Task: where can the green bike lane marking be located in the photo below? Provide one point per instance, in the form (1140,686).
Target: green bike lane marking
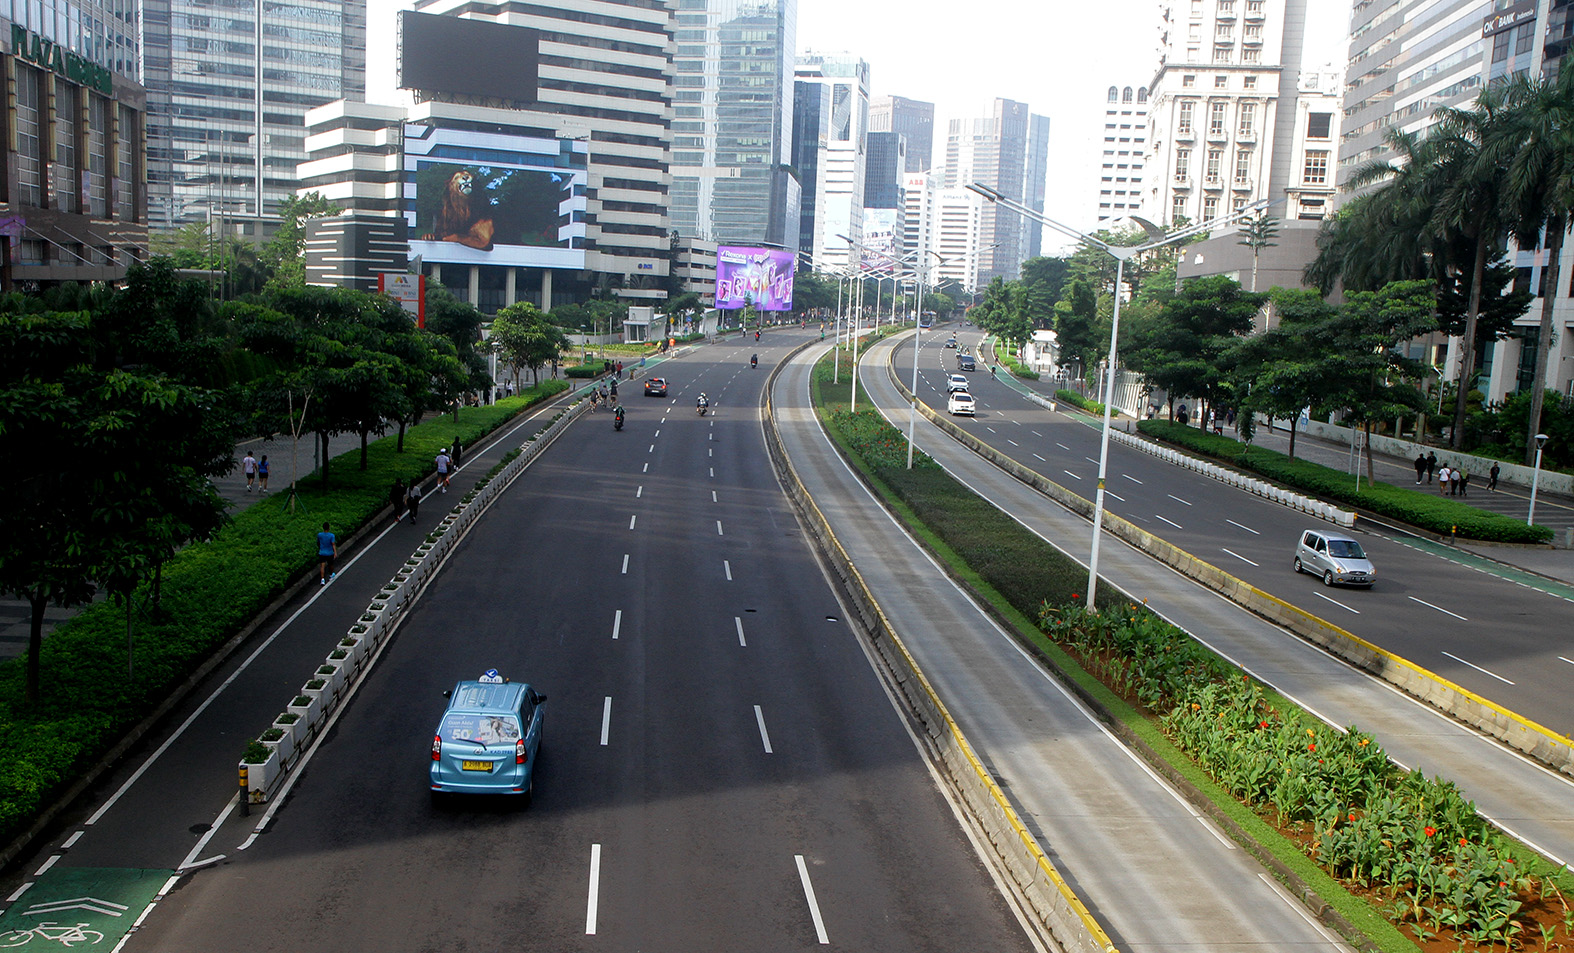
(80,906)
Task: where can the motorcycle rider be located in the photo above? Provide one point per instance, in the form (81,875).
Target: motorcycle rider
(702,403)
(754,360)
(617,419)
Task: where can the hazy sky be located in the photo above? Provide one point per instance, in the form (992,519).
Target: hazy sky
(1059,57)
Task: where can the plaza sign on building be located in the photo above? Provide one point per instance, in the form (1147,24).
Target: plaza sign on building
(51,56)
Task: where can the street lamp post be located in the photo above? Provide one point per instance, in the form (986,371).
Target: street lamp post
(1535,479)
(1121,254)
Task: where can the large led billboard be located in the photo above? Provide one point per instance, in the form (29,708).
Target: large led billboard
(469,57)
(758,276)
(879,241)
(492,198)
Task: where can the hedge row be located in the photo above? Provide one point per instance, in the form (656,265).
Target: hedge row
(1443,515)
(1016,367)
(1077,400)
(210,591)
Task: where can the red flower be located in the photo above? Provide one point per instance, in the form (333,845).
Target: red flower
(1463,842)
(1430,831)
(1262,724)
(1352,815)
(1075,596)
(1312,746)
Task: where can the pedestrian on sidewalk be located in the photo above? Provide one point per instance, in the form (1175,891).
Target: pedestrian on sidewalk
(248,466)
(396,497)
(327,551)
(1431,466)
(444,461)
(1492,477)
(457,451)
(614,390)
(1420,467)
(413,498)
(1462,482)
(1443,476)
(262,473)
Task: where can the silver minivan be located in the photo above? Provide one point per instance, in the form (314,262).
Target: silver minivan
(1335,557)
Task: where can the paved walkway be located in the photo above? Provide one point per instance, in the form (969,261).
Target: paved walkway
(1552,509)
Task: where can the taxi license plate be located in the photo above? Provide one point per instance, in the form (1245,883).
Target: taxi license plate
(477,765)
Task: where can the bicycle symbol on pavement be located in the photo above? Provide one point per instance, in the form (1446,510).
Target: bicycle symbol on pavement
(48,930)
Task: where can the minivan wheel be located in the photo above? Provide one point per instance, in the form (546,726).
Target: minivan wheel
(1328,577)
(1298,564)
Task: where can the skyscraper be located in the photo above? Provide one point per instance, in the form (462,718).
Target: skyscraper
(1035,188)
(913,119)
(732,119)
(994,151)
(229,84)
(1124,152)
(1222,119)
(840,161)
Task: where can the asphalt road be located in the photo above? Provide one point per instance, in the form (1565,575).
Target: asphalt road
(1498,632)
(716,745)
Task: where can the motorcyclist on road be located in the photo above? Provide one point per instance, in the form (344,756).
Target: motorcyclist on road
(617,418)
(754,360)
(702,403)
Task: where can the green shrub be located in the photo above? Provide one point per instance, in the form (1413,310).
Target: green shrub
(256,752)
(272,734)
(1077,400)
(582,371)
(1439,514)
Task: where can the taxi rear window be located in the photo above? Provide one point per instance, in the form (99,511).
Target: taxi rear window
(482,729)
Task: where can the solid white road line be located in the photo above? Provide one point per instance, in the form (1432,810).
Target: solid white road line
(1337,603)
(617,622)
(191,858)
(1171,522)
(1438,608)
(737,621)
(632,519)
(1242,526)
(808,893)
(1449,654)
(606,719)
(765,736)
(595,889)
(726,567)
(625,564)
(1239,556)
(1568,660)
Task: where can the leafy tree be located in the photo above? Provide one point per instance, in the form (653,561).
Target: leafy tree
(1076,325)
(460,322)
(1047,275)
(1276,373)
(1182,348)
(285,255)
(525,338)
(812,291)
(1258,233)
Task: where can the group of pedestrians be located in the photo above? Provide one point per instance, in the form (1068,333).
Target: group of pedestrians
(1451,480)
(256,471)
(605,394)
(406,500)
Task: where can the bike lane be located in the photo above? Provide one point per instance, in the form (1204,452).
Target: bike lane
(76,907)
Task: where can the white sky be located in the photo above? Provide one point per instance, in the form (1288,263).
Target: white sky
(1058,57)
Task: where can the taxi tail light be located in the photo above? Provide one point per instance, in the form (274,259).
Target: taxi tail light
(437,747)
(519,751)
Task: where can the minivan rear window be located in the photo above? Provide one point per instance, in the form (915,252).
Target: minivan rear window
(482,729)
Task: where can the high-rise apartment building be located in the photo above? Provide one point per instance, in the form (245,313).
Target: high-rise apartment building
(914,119)
(229,85)
(959,232)
(1124,150)
(1221,120)
(885,156)
(994,151)
(73,194)
(839,161)
(918,221)
(1035,187)
(732,116)
(1407,59)
(811,137)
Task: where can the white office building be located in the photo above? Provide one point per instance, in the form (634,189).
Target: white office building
(838,157)
(1124,152)
(958,236)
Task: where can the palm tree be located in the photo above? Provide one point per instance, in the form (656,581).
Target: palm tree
(1258,233)
(1471,166)
(1537,146)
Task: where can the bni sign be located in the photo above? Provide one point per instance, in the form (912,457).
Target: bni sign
(408,290)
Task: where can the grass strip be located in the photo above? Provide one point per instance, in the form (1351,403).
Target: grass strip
(210,591)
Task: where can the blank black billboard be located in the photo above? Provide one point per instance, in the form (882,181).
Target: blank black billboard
(468,57)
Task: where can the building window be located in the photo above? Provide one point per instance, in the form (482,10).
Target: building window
(1223,54)
(1177,209)
(1216,119)
(1114,94)
(1193,55)
(1183,125)
(1243,166)
(1196,8)
(1311,209)
(1224,33)
(1248,124)
(1182,164)
(1221,82)
(1253,31)
(1316,170)
(1319,125)
(1248,82)
(1237,203)
(1254,6)
(29,149)
(1226,8)
(1215,158)
(1500,44)
(1210,207)
(1187,82)
(1251,55)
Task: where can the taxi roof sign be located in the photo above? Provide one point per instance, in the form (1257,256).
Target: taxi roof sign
(490,677)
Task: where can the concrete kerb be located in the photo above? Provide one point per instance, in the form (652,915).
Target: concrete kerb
(388,607)
(1057,911)
(1457,702)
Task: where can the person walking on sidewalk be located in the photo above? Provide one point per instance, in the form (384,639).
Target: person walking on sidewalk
(1443,476)
(396,498)
(262,473)
(1492,476)
(327,552)
(248,466)
(413,498)
(1462,482)
(444,464)
(1431,466)
(1420,467)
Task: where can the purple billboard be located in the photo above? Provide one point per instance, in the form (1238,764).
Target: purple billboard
(758,276)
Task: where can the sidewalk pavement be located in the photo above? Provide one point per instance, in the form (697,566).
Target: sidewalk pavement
(1553,510)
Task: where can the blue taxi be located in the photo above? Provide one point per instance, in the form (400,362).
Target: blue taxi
(488,739)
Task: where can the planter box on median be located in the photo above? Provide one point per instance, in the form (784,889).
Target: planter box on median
(260,777)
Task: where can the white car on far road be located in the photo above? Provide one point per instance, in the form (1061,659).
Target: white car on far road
(954,383)
(960,403)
